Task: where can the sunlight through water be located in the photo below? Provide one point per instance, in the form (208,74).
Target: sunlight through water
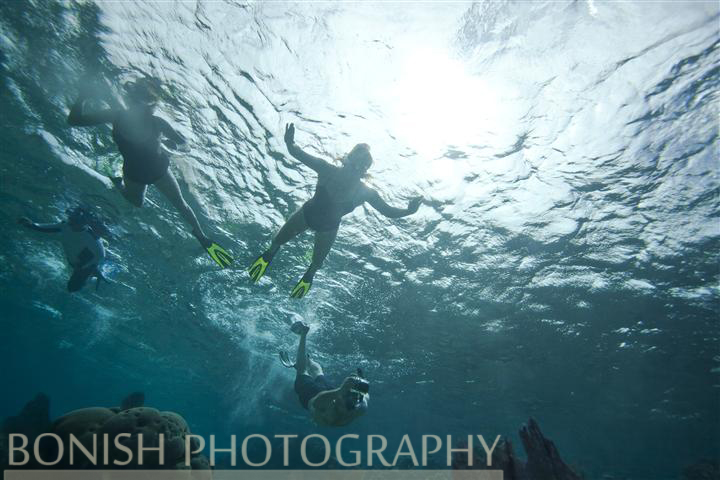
(563,264)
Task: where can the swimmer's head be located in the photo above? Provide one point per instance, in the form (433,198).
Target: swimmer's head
(144,92)
(356,395)
(78,217)
(359,159)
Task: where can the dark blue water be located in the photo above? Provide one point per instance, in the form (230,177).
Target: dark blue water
(564,266)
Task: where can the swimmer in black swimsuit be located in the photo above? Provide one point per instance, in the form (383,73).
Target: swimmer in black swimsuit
(138,133)
(338,192)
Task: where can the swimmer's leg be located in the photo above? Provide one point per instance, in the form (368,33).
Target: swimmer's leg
(80,277)
(303,364)
(132,191)
(323,243)
(313,368)
(301,357)
(169,187)
(294,226)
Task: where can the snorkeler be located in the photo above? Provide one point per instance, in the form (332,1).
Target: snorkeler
(329,406)
(80,236)
(339,191)
(137,134)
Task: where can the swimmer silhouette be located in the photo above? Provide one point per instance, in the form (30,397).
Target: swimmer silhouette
(138,134)
(339,191)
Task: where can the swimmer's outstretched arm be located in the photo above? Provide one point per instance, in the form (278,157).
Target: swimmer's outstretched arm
(40,227)
(173,137)
(392,212)
(79,118)
(317,164)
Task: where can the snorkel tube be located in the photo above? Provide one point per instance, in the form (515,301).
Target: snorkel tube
(356,397)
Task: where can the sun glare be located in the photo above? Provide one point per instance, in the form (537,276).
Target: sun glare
(436,103)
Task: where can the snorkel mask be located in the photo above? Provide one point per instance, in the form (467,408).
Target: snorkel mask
(143,91)
(359,160)
(355,398)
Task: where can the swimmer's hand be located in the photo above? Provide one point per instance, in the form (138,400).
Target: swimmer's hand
(24,221)
(97,92)
(413,205)
(172,139)
(290,134)
(178,146)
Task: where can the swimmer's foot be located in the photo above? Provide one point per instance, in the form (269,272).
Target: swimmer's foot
(257,269)
(216,252)
(285,359)
(302,287)
(299,328)
(118,182)
(220,255)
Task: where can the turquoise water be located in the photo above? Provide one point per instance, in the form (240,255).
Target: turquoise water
(564,266)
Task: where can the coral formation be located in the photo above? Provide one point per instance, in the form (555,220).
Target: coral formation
(702,470)
(543,458)
(89,425)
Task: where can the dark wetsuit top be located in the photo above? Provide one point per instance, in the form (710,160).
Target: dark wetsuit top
(144,162)
(323,214)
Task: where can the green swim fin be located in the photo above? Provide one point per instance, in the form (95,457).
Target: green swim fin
(257,269)
(302,287)
(220,255)
(285,360)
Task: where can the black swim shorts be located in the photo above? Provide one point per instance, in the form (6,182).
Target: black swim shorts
(307,387)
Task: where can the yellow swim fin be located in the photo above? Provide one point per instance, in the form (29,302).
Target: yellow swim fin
(301,288)
(220,255)
(257,269)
